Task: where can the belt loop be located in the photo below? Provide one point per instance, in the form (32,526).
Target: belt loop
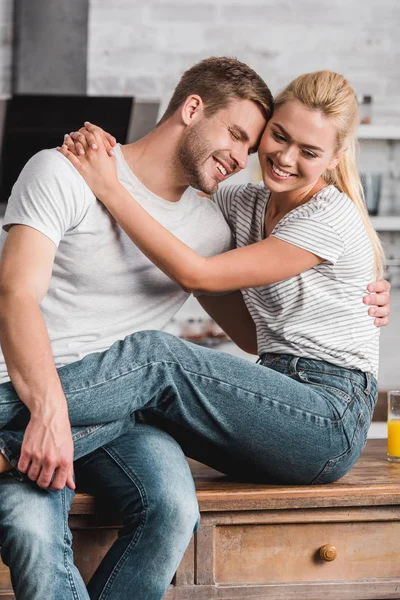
(368,383)
(293,365)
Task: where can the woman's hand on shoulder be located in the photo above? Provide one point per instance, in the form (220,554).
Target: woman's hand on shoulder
(77,142)
(90,152)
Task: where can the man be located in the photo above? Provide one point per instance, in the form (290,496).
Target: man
(72,284)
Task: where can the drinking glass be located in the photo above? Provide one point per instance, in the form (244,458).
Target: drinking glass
(394,426)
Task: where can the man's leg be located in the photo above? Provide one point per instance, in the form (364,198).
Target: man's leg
(36,542)
(144,477)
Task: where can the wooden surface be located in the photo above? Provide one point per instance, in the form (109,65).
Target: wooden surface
(260,541)
(372,481)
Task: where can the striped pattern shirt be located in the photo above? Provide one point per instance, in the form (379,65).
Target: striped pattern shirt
(318,314)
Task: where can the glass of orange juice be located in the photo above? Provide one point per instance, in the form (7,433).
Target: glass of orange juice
(394,426)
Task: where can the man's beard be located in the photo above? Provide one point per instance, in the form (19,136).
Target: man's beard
(192,154)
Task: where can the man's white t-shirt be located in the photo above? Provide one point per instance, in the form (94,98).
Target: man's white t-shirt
(102,287)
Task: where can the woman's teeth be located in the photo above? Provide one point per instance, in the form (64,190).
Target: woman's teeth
(279,172)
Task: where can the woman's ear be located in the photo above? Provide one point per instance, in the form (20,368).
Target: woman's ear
(335,160)
(192,109)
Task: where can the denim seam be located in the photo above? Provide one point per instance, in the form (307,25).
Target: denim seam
(161,362)
(124,557)
(332,461)
(364,399)
(350,377)
(67,568)
(88,431)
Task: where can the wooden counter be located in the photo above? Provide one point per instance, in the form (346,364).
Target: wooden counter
(339,541)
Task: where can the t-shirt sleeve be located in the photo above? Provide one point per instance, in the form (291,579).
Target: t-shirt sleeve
(49,195)
(314,235)
(226,200)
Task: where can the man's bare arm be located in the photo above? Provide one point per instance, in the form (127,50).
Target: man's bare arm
(25,272)
(230,312)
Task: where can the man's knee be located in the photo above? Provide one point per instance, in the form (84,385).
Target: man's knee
(176,509)
(160,475)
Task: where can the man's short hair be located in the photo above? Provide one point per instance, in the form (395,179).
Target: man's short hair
(218,81)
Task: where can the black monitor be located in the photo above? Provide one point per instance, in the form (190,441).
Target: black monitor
(34,122)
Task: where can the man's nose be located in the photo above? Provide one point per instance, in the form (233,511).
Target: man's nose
(240,156)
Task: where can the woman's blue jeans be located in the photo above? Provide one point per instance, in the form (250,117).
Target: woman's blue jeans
(290,420)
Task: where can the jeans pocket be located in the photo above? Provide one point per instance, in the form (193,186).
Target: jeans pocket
(336,383)
(337,467)
(335,390)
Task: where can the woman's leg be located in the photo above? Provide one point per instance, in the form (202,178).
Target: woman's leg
(277,425)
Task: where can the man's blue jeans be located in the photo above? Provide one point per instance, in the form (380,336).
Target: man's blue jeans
(143,477)
(291,419)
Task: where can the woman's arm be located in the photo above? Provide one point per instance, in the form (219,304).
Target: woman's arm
(265,262)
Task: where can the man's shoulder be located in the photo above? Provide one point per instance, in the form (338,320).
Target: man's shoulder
(49,195)
(47,166)
(206,209)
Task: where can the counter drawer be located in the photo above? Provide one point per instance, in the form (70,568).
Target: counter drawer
(291,552)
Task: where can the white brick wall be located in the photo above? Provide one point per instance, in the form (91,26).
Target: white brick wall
(142,48)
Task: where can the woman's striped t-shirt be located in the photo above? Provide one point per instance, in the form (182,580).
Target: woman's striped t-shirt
(318,314)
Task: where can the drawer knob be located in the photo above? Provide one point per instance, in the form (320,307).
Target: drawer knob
(328,552)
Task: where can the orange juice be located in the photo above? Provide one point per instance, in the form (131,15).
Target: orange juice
(394,438)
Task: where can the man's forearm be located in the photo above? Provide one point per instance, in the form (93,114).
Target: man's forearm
(28,356)
(47,449)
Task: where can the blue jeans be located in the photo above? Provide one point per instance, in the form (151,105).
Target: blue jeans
(290,420)
(143,476)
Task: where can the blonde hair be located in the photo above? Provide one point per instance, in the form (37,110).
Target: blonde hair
(331,94)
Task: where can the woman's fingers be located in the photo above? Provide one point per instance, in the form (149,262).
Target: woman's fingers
(99,134)
(95,129)
(71,157)
(82,145)
(89,137)
(69,142)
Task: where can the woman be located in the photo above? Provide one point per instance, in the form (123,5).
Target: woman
(304,245)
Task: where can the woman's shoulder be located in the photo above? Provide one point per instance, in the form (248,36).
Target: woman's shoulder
(332,196)
(329,204)
(247,194)
(250,192)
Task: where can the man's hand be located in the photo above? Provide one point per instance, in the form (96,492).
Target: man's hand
(379,301)
(47,451)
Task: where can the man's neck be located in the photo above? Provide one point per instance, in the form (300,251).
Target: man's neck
(153,160)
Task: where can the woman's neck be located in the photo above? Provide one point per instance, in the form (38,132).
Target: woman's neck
(280,204)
